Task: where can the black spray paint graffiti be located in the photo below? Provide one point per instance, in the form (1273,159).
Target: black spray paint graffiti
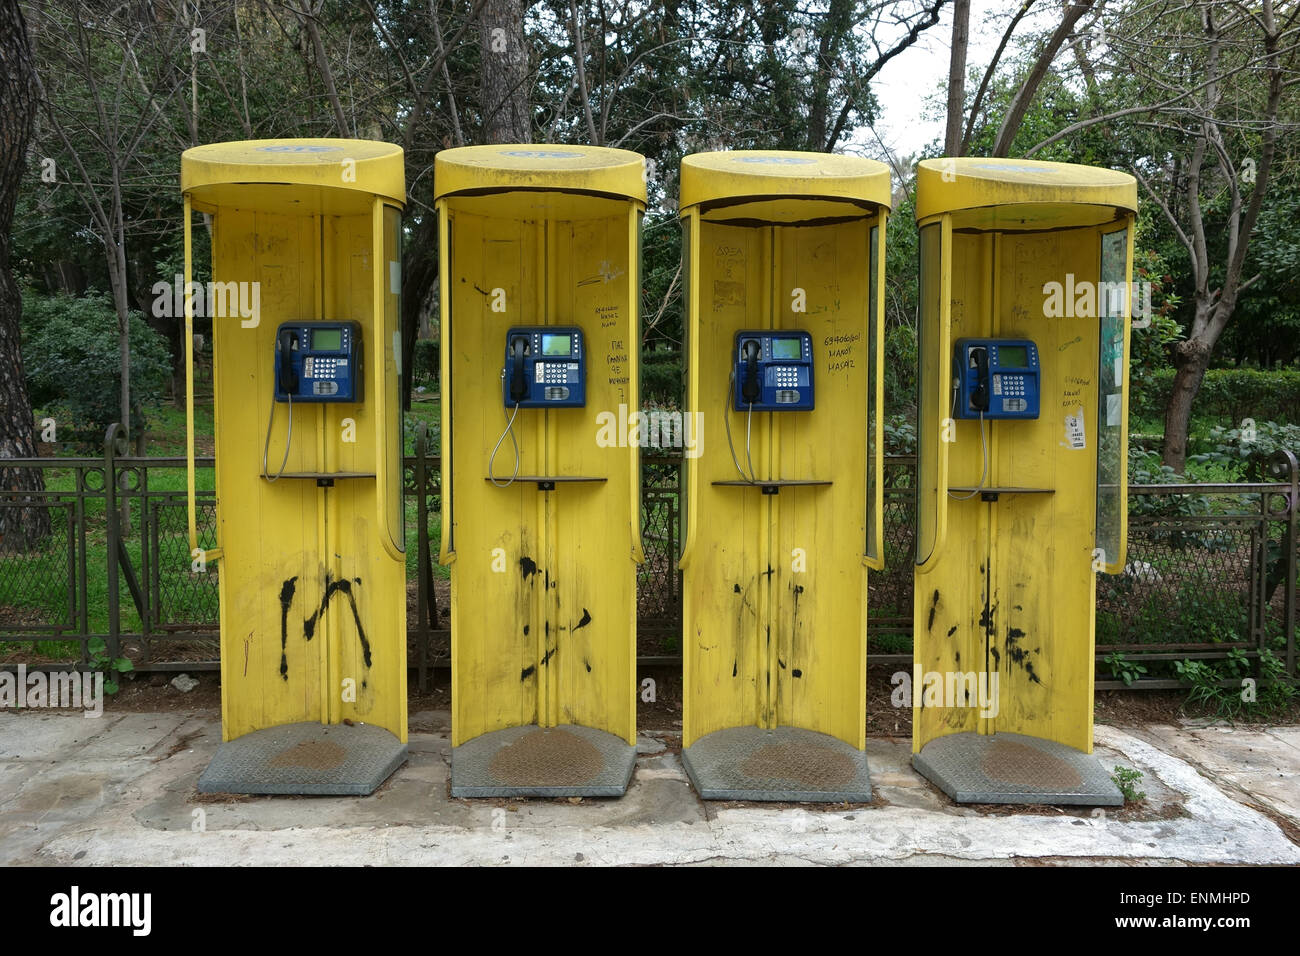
(332,587)
(286,598)
(528,569)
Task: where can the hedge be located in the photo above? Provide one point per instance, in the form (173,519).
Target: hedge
(1226,393)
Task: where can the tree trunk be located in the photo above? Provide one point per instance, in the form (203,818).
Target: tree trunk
(419,270)
(1015,114)
(1191,358)
(503,90)
(19,527)
(957,77)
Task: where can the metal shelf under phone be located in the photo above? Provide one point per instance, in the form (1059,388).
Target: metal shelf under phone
(992,494)
(774,486)
(323,479)
(546,482)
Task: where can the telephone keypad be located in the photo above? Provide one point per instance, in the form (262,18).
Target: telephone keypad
(556,373)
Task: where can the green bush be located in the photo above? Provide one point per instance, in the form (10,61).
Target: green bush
(1253,443)
(900,436)
(901,359)
(1230,394)
(425,365)
(72,362)
(661,378)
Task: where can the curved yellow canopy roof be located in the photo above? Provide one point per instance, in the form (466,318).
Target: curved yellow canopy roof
(334,176)
(1013,194)
(808,185)
(596,170)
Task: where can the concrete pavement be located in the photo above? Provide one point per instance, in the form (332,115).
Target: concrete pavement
(121,790)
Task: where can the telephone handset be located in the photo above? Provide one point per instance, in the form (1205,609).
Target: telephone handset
(318,362)
(518,384)
(979,360)
(773,371)
(545,367)
(750,390)
(287,378)
(995,379)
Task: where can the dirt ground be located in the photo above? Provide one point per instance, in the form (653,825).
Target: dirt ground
(153,692)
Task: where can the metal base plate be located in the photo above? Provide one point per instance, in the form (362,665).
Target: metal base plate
(305,758)
(1014,768)
(532,761)
(786,764)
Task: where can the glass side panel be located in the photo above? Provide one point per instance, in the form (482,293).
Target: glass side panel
(1113,304)
(873,288)
(390,342)
(930,369)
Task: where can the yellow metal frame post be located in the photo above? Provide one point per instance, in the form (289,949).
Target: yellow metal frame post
(783,509)
(543,583)
(310,557)
(1013,521)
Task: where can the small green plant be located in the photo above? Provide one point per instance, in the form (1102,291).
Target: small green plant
(1275,692)
(1126,778)
(900,436)
(1126,670)
(100,661)
(1205,691)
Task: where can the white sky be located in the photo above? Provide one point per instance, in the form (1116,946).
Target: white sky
(921,71)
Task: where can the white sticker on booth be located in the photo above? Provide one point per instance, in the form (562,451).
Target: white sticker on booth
(395,278)
(1114,409)
(1075,435)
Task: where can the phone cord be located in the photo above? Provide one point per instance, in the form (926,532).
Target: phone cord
(749,420)
(509,430)
(726,420)
(984,449)
(287,441)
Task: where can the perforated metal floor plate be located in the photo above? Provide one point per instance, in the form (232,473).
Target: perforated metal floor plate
(786,764)
(1014,768)
(532,761)
(305,758)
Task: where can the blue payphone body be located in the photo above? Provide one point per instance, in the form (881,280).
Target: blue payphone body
(995,379)
(318,362)
(773,371)
(545,367)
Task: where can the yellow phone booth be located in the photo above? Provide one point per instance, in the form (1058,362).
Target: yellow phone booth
(539,260)
(785,254)
(1022,417)
(304,302)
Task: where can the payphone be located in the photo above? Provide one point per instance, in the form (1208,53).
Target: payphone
(545,368)
(995,379)
(314,362)
(773,371)
(318,362)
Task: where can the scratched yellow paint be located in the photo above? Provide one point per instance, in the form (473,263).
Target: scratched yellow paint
(543,584)
(315,223)
(775,585)
(1007,588)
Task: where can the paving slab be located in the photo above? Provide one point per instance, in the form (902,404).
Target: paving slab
(37,735)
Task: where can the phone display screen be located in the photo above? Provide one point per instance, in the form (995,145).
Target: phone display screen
(1013,356)
(326,340)
(556,345)
(786,349)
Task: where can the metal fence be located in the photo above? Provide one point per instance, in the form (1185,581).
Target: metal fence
(1211,570)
